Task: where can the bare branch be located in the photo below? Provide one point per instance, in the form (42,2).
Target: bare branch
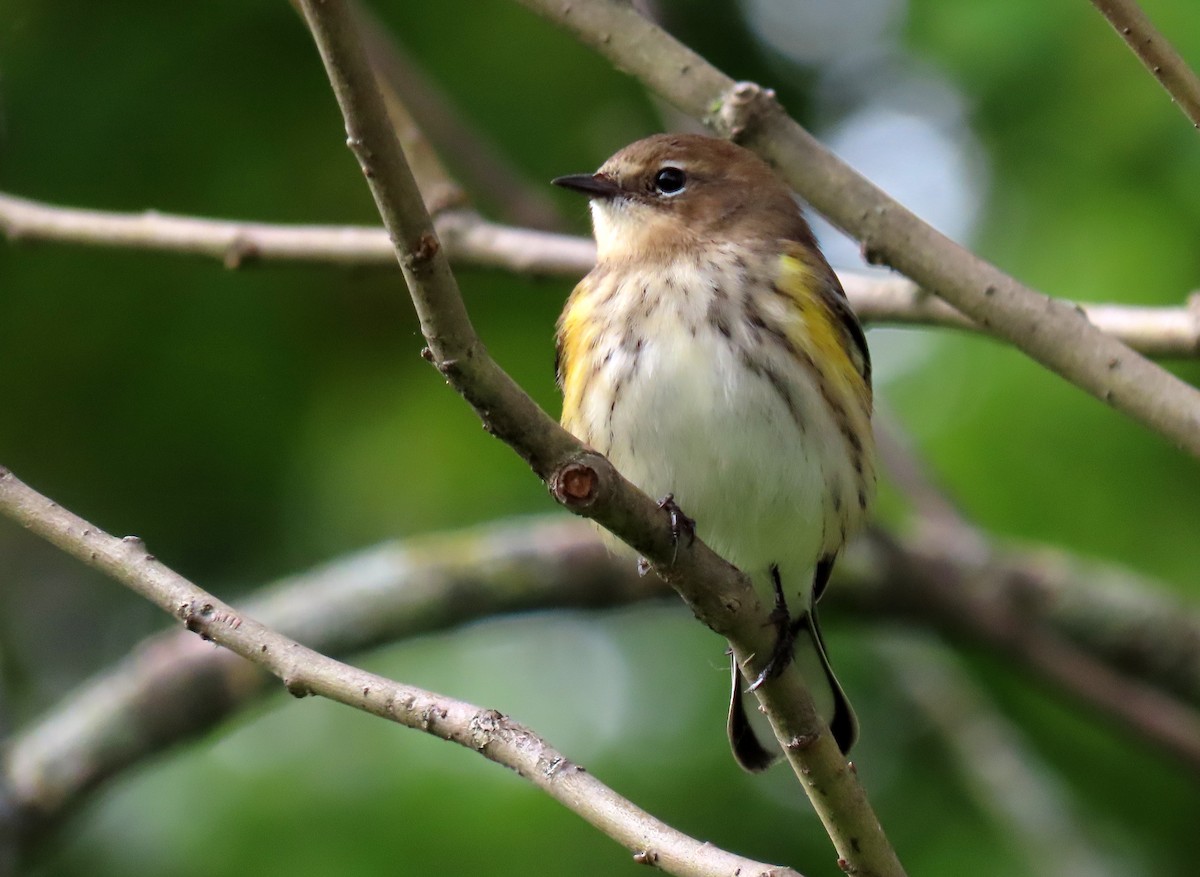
(438,189)
(147,702)
(473,241)
(1028,608)
(933,509)
(1005,775)
(1053,332)
(304,671)
(468,238)
(1160,332)
(581,480)
(482,163)
(1156,53)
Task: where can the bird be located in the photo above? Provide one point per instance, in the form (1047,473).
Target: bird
(712,355)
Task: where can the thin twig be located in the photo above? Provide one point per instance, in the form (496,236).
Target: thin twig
(304,671)
(439,189)
(471,240)
(468,238)
(1006,776)
(583,481)
(1054,333)
(484,167)
(416,104)
(1008,606)
(146,703)
(1156,53)
(1160,332)
(932,508)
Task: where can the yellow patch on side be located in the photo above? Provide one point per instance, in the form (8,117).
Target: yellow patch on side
(818,331)
(577,330)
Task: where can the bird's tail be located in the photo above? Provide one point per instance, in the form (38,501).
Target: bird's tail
(827,694)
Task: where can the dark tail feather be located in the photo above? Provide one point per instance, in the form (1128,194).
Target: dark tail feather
(843,724)
(748,751)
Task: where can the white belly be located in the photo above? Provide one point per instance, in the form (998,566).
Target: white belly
(695,422)
(728,420)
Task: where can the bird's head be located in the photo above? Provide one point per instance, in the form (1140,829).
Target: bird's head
(671,193)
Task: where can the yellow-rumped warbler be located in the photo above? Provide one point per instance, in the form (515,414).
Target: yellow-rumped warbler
(712,356)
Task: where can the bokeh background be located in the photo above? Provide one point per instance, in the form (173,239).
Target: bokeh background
(253,423)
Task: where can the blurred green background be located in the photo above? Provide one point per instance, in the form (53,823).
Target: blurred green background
(251,423)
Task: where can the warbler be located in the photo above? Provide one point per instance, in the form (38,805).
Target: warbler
(712,356)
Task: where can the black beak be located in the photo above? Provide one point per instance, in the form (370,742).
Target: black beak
(592,185)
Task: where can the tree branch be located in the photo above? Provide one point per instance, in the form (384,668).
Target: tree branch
(1053,332)
(468,238)
(1026,608)
(581,480)
(1156,53)
(148,701)
(484,165)
(473,241)
(304,672)
(1005,775)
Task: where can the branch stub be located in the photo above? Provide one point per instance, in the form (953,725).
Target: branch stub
(575,485)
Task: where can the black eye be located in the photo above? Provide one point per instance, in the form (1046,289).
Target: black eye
(670,180)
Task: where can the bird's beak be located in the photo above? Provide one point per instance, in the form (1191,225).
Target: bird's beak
(592,185)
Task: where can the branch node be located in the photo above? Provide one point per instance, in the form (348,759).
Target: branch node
(576,485)
(556,765)
(871,252)
(430,714)
(484,727)
(742,108)
(646,857)
(802,742)
(296,687)
(422,251)
(240,251)
(195,618)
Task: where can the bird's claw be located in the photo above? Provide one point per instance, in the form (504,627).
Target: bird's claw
(786,630)
(680,523)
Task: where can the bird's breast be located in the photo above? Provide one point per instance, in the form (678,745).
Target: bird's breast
(686,376)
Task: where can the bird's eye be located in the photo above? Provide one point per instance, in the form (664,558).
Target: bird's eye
(670,180)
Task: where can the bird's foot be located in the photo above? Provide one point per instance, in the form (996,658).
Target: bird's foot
(681,524)
(786,630)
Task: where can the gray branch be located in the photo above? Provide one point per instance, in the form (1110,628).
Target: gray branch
(472,241)
(578,478)
(1051,331)
(174,687)
(304,671)
(1156,53)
